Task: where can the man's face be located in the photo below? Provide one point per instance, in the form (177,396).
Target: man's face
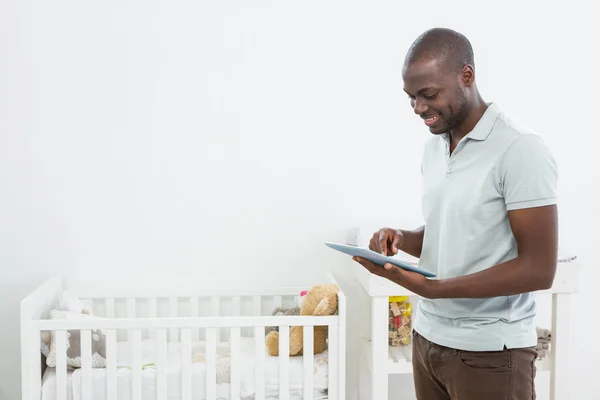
(436,95)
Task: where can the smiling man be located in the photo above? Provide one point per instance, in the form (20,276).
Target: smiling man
(490,233)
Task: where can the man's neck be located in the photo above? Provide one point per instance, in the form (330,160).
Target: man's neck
(467,126)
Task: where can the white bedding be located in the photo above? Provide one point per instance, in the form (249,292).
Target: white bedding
(320,374)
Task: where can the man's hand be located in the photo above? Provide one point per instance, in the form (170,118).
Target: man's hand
(387,241)
(416,283)
(536,235)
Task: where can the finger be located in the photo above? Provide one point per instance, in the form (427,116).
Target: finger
(367,264)
(373,243)
(388,266)
(359,260)
(383,238)
(376,239)
(397,243)
(362,261)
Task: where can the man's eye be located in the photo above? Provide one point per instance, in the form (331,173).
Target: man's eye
(431,96)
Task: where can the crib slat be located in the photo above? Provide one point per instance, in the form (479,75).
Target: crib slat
(130,314)
(236,305)
(256,308)
(307,354)
(110,308)
(194,312)
(277,301)
(333,354)
(284,362)
(256,305)
(235,363)
(89,305)
(211,363)
(259,386)
(214,306)
(174,333)
(136,363)
(152,313)
(236,308)
(35,364)
(215,311)
(61,365)
(130,308)
(161,364)
(86,364)
(111,364)
(186,364)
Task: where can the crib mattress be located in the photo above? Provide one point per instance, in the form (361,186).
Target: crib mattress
(296,368)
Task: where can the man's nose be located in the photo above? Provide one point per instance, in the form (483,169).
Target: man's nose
(420,106)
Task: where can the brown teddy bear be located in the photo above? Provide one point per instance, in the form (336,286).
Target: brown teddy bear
(319,301)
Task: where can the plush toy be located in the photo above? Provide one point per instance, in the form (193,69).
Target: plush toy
(281,311)
(319,301)
(67,302)
(98,343)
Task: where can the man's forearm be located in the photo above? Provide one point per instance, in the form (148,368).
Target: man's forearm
(413,241)
(512,277)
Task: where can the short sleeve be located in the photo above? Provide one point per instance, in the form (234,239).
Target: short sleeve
(529,174)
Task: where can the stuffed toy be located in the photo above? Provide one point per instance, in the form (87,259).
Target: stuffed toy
(98,343)
(72,342)
(67,302)
(281,311)
(319,301)
(70,307)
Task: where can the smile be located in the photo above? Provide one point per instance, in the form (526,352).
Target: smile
(431,120)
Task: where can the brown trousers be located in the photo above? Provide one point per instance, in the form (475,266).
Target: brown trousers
(442,373)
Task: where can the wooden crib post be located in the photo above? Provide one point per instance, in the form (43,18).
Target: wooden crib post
(308,354)
(560,377)
(235,366)
(32,378)
(284,362)
(86,364)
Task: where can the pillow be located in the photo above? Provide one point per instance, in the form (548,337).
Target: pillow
(67,302)
(73,342)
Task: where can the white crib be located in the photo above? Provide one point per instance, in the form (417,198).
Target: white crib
(151,337)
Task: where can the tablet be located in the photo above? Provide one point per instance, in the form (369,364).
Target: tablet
(377,258)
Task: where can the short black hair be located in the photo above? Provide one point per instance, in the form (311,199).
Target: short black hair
(450,48)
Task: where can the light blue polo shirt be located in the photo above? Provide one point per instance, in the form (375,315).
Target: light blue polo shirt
(499,166)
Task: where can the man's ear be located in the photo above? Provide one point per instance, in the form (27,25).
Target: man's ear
(467,75)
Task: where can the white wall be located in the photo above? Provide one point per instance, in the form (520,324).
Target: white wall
(146,143)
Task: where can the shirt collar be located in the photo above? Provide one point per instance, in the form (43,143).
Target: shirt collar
(485,124)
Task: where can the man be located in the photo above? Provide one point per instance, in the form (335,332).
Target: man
(490,233)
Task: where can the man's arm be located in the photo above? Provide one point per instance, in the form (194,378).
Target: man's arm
(536,234)
(413,241)
(527,177)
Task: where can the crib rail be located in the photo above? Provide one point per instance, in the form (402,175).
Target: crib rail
(184,327)
(232,303)
(198,322)
(184,321)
